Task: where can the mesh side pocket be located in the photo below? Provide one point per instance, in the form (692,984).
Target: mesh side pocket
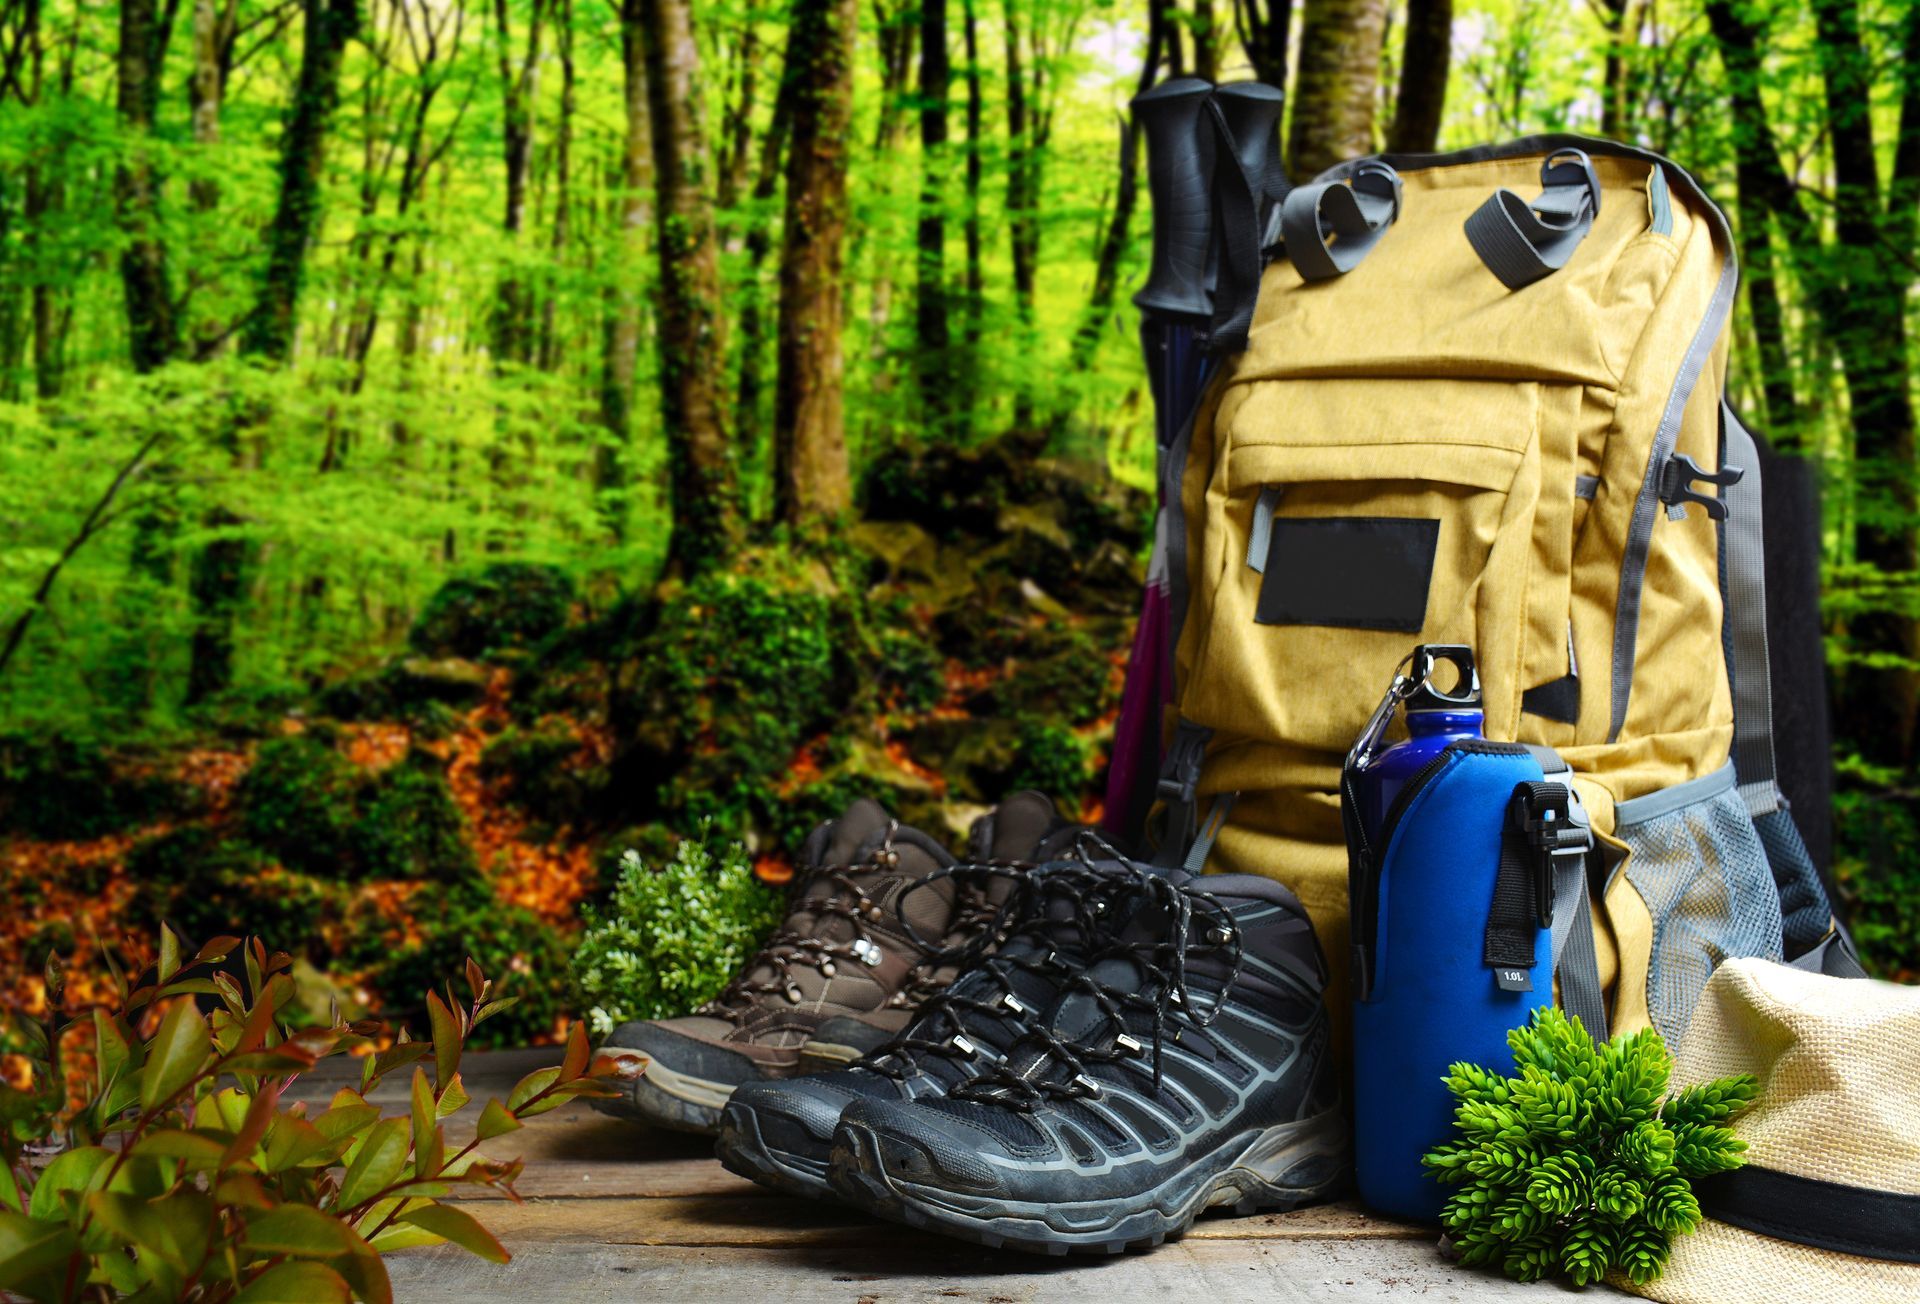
(1699,865)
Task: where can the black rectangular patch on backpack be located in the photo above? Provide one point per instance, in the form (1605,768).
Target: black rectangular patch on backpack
(1352,572)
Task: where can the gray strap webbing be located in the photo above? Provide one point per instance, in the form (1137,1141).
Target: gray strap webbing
(1575,961)
(1260,537)
(1586,486)
(1179,778)
(1520,242)
(1196,858)
(1834,957)
(1746,616)
(1354,214)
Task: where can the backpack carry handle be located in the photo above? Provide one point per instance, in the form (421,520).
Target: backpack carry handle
(1355,211)
(1180,167)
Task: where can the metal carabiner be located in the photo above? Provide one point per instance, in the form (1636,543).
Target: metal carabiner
(1398,691)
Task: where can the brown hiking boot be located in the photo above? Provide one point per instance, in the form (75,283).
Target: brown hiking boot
(1023,830)
(859,921)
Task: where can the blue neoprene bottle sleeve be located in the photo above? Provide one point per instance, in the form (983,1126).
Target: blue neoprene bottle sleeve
(1434,999)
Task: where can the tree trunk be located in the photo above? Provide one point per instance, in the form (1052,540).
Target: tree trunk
(1206,42)
(1265,31)
(1882,708)
(550,349)
(1425,54)
(218,579)
(976,144)
(753,303)
(930,315)
(810,444)
(706,509)
(621,368)
(1338,81)
(153,333)
(519,84)
(897,33)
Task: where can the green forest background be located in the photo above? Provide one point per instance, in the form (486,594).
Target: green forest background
(449,441)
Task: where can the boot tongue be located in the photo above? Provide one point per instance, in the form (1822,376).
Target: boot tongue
(864,825)
(1014,829)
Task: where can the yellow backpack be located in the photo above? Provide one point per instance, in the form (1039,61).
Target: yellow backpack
(1481,403)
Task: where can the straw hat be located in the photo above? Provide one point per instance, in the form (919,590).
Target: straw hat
(1828,1207)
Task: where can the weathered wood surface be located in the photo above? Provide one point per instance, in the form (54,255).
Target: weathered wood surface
(614,1211)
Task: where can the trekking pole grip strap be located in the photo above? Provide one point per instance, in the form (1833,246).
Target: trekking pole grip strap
(1521,242)
(1353,213)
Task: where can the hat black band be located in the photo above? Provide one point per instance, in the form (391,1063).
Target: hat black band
(1821,1215)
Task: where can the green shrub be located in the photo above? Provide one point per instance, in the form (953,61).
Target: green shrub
(671,937)
(467,918)
(506,605)
(177,1173)
(408,825)
(1049,757)
(1581,1165)
(912,668)
(297,801)
(1877,869)
(206,883)
(536,765)
(60,787)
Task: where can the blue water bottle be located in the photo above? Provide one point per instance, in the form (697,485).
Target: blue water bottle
(1450,917)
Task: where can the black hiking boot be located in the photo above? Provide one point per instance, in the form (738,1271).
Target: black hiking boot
(869,905)
(780,1133)
(1186,1068)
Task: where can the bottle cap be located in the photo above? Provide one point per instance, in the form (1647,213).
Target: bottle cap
(1463,694)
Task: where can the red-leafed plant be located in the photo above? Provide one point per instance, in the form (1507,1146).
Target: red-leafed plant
(184,1177)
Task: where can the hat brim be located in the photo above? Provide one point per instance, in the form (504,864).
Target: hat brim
(1720,1262)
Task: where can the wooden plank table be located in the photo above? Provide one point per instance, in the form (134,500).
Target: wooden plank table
(616,1211)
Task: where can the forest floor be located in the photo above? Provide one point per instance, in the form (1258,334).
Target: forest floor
(467,793)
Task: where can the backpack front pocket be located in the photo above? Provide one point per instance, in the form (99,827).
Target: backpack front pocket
(1346,522)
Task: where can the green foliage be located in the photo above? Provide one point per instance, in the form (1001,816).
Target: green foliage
(65,787)
(506,605)
(1877,869)
(672,936)
(183,1175)
(468,918)
(205,884)
(1049,757)
(408,826)
(1581,1164)
(537,769)
(297,801)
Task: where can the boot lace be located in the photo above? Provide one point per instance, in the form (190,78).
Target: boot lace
(1056,1067)
(948,1015)
(790,945)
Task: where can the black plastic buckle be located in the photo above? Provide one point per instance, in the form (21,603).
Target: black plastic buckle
(1557,828)
(1679,475)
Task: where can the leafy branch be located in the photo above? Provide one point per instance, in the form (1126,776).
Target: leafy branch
(184,1176)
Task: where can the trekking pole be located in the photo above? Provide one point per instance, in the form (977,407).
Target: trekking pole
(1175,309)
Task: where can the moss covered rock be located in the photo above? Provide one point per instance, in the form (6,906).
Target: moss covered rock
(296,801)
(408,826)
(54,786)
(206,883)
(538,769)
(506,605)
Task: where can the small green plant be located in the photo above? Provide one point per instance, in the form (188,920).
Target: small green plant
(184,1176)
(297,802)
(1582,1164)
(671,937)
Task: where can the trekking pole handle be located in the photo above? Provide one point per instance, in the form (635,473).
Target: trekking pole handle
(1251,111)
(1180,163)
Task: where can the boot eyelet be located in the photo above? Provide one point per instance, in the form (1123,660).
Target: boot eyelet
(962,1047)
(867,952)
(794,994)
(1012,1004)
(1086,1086)
(828,969)
(1128,1045)
(1219,935)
